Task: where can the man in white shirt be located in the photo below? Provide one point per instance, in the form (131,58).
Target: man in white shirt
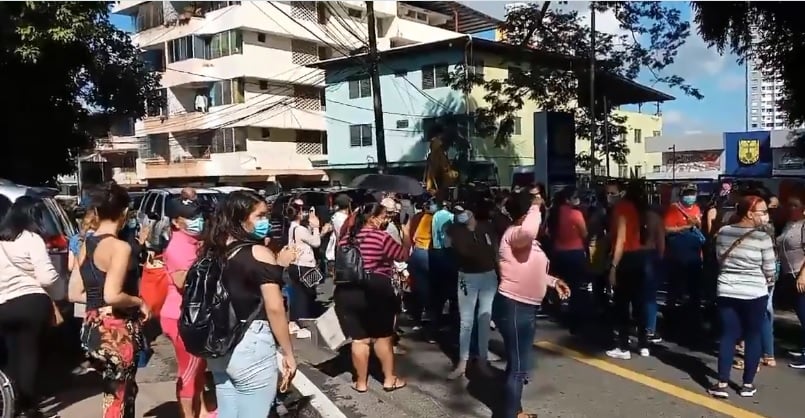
(343,205)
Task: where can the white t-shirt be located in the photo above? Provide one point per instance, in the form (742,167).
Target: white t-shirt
(337,220)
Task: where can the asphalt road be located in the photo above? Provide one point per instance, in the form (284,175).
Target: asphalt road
(572,379)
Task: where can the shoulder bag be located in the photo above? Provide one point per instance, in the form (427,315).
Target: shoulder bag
(311,276)
(723,257)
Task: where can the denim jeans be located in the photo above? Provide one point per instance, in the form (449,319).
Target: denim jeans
(476,293)
(517,323)
(419,267)
(246,379)
(654,276)
(799,308)
(443,281)
(767,332)
(572,267)
(740,318)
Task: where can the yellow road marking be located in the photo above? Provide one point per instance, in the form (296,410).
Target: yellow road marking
(673,390)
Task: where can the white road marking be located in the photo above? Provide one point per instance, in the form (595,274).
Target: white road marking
(318,400)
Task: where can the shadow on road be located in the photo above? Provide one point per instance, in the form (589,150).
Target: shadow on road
(168,409)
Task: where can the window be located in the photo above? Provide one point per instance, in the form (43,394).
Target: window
(638,136)
(656,133)
(159,105)
(261,37)
(265,132)
(226,43)
(623,171)
(229,140)
(518,128)
(402,123)
(477,68)
(185,48)
(215,5)
(360,135)
(656,168)
(149,16)
(226,92)
(638,171)
(325,53)
(263,85)
(360,88)
(154,60)
(515,72)
(434,76)
(355,13)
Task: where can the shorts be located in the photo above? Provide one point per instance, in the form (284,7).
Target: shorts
(368,310)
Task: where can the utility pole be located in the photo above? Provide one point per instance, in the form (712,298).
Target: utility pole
(606,134)
(592,94)
(380,138)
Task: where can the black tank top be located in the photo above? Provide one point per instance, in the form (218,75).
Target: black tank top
(94,279)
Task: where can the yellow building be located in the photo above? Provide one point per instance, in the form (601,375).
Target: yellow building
(520,150)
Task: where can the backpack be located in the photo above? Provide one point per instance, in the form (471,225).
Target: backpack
(207,324)
(349,264)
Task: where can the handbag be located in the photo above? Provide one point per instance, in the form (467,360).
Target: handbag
(154,284)
(310,278)
(56,318)
(695,231)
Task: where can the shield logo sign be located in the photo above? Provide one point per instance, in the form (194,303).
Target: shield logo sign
(748,151)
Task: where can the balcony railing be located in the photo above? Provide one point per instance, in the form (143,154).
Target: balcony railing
(308,148)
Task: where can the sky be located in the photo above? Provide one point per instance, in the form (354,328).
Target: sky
(718,77)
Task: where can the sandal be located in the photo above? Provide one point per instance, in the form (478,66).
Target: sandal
(768,362)
(738,364)
(355,388)
(394,386)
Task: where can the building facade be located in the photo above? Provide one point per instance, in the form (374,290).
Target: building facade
(415,97)
(763,91)
(239,104)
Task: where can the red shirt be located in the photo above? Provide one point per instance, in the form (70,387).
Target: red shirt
(627,210)
(675,215)
(571,221)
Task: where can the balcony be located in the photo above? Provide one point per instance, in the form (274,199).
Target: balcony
(402,29)
(116,144)
(250,65)
(126,7)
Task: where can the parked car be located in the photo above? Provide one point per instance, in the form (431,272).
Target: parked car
(230,189)
(58,228)
(151,211)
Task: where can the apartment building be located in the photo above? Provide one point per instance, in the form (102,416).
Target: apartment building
(240,107)
(763,90)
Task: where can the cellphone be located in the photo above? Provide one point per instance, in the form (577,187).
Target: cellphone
(312,210)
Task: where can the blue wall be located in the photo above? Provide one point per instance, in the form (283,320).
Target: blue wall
(759,163)
(401,102)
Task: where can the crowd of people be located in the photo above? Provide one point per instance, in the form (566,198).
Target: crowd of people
(477,261)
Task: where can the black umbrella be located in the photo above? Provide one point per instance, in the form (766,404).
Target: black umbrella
(388,183)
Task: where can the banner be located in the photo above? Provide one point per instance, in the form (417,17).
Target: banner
(554,148)
(786,162)
(748,154)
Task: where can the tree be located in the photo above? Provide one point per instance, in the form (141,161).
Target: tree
(769,33)
(652,35)
(63,63)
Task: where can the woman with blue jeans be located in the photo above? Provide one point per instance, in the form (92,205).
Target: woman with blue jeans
(246,378)
(474,246)
(524,280)
(791,250)
(747,265)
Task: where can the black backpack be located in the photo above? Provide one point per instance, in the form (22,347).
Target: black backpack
(208,325)
(348,264)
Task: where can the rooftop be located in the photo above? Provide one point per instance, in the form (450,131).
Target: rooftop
(617,89)
(465,19)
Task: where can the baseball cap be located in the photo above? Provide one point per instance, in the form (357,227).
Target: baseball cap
(389,204)
(183,208)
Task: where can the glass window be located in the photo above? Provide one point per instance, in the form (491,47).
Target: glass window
(518,129)
(434,76)
(360,88)
(638,136)
(360,135)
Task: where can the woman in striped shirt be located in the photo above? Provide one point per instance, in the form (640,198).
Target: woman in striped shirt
(366,312)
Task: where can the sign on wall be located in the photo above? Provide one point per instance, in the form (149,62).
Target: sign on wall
(692,161)
(748,154)
(786,162)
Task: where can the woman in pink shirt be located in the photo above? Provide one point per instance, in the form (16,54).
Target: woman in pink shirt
(524,280)
(568,231)
(180,253)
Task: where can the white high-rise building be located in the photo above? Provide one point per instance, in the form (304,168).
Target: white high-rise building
(763,90)
(241,107)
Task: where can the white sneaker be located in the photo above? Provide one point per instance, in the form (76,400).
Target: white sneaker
(302,334)
(644,352)
(619,354)
(492,325)
(293,327)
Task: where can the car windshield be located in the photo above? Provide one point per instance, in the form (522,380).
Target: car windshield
(55,221)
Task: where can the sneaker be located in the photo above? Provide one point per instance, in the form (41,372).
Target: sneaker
(644,352)
(492,325)
(719,391)
(747,390)
(302,334)
(293,328)
(796,353)
(797,364)
(654,339)
(619,354)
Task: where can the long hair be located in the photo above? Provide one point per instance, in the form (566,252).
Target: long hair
(562,197)
(362,215)
(110,201)
(745,205)
(26,214)
(636,195)
(227,222)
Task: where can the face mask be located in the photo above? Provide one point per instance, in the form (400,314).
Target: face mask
(261,228)
(132,223)
(613,199)
(194,226)
(575,201)
(688,200)
(433,208)
(764,219)
(462,218)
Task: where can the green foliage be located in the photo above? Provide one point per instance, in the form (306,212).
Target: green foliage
(62,63)
(778,45)
(652,36)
